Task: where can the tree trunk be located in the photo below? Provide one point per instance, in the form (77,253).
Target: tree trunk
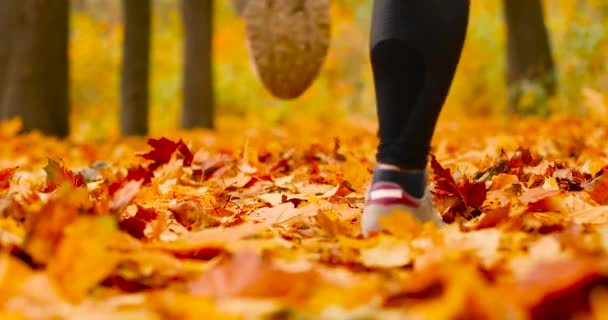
(36,86)
(530,66)
(135,67)
(198,106)
(8,28)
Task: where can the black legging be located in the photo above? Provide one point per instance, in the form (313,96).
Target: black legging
(415,48)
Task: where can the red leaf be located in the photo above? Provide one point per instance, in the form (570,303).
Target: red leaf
(523,157)
(126,285)
(5,177)
(140,173)
(257,179)
(188,155)
(78,180)
(296,202)
(136,225)
(114,187)
(264,156)
(283,164)
(133,226)
(251,182)
(198,174)
(443,178)
(146,214)
(163,149)
(474,193)
(438,169)
(57,175)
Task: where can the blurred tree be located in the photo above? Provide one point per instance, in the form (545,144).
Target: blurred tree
(530,67)
(198,105)
(135,67)
(239,6)
(36,84)
(79,5)
(8,21)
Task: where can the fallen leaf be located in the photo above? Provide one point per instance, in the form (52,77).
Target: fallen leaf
(125,195)
(598,187)
(133,226)
(140,174)
(401,224)
(489,218)
(387,253)
(247,274)
(57,175)
(193,215)
(560,289)
(188,155)
(162,150)
(537,194)
(474,194)
(45,230)
(331,222)
(592,215)
(503,181)
(83,258)
(5,177)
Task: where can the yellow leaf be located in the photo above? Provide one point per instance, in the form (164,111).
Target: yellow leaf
(329,221)
(550,184)
(12,274)
(402,224)
(83,258)
(388,252)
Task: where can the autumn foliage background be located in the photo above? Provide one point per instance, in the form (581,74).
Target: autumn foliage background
(259,218)
(579,39)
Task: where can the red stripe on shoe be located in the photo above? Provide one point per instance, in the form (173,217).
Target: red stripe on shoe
(391,194)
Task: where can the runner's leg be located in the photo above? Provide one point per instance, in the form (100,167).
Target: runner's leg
(415,49)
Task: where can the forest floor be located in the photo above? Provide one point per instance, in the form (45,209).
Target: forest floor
(246,224)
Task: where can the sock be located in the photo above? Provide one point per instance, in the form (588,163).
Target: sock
(412,181)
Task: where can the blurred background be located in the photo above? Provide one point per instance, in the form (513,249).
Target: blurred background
(577,37)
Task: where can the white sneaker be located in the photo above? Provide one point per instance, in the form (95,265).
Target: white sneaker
(384,198)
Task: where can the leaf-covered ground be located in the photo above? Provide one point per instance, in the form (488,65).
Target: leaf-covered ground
(265,224)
